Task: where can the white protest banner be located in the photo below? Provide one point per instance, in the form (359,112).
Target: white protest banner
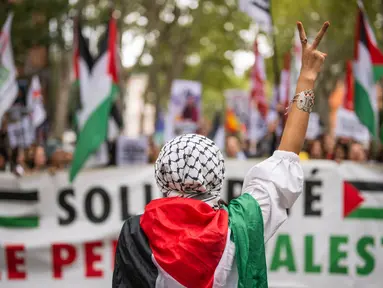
(132,151)
(333,237)
(184,106)
(349,126)
(313,129)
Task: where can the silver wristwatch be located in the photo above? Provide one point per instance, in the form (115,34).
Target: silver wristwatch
(305,100)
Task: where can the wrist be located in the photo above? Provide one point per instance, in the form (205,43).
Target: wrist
(305,82)
(308,76)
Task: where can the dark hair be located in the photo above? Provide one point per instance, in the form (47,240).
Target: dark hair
(344,147)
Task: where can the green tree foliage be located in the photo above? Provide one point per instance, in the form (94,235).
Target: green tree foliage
(195,39)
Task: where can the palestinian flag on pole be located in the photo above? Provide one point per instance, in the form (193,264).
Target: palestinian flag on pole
(363,200)
(8,84)
(98,89)
(18,209)
(368,68)
(156,250)
(35,102)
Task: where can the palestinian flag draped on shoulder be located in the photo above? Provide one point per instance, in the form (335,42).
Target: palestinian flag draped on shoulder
(183,242)
(368,68)
(98,89)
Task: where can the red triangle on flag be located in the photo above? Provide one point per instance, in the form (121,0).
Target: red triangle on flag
(351,198)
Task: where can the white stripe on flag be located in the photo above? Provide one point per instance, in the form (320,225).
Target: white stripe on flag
(364,74)
(18,209)
(94,87)
(226,274)
(372,200)
(164,280)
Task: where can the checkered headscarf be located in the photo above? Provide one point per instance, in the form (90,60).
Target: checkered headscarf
(191,166)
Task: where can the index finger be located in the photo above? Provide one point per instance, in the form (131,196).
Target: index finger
(302,33)
(320,34)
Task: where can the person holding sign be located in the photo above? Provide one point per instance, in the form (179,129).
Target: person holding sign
(191,238)
(190,112)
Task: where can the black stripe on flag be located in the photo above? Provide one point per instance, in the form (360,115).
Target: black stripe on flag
(370,187)
(83,46)
(263,5)
(12,195)
(133,262)
(363,30)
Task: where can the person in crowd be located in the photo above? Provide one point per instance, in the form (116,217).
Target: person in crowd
(316,151)
(380,154)
(153,151)
(233,148)
(21,168)
(357,153)
(340,152)
(204,127)
(39,159)
(328,146)
(3,160)
(60,159)
(30,155)
(190,237)
(190,111)
(3,133)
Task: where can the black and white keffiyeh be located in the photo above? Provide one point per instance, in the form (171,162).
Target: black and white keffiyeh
(191,166)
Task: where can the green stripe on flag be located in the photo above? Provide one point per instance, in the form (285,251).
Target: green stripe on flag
(93,133)
(246,224)
(19,222)
(378,72)
(363,108)
(367,213)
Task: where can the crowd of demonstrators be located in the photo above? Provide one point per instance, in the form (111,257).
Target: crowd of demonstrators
(35,158)
(342,149)
(324,147)
(53,155)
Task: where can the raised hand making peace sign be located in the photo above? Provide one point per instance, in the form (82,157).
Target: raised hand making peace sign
(312,59)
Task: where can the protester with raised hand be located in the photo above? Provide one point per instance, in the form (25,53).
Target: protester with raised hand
(191,238)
